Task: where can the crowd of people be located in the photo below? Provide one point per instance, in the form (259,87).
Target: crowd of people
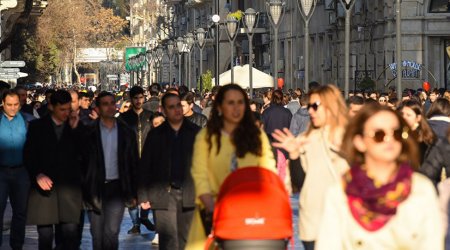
(370,169)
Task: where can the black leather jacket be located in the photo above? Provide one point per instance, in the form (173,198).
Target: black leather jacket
(198,119)
(141,124)
(438,158)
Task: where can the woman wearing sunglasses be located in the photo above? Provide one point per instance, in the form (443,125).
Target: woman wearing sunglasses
(317,148)
(380,203)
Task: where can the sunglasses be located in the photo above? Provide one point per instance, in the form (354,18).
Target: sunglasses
(381,136)
(314,106)
(382,100)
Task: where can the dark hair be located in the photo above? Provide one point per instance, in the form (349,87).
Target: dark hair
(183,89)
(9,92)
(440,107)
(246,136)
(313,85)
(154,89)
(136,90)
(257,104)
(355,100)
(409,153)
(215,90)
(102,95)
(188,97)
(435,91)
(167,96)
(60,97)
(49,91)
(172,90)
(423,133)
(20,87)
(277,97)
(304,99)
(83,94)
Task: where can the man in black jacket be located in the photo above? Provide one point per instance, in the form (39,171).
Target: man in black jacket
(164,180)
(140,120)
(52,157)
(110,161)
(187,102)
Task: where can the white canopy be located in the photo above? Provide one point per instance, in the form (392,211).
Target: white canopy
(241,77)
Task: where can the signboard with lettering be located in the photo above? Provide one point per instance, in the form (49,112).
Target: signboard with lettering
(12,64)
(410,69)
(9,70)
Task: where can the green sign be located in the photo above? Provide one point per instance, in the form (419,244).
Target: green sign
(130,52)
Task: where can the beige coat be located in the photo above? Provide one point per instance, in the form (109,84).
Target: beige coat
(323,168)
(416,225)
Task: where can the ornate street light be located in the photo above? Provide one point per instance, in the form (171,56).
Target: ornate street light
(307,8)
(216,20)
(170,51)
(159,55)
(201,41)
(180,50)
(148,56)
(250,21)
(276,12)
(232,26)
(348,5)
(189,43)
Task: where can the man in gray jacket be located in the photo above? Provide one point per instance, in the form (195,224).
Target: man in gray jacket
(300,120)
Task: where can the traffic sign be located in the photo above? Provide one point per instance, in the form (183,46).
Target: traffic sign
(12,64)
(12,76)
(22,74)
(9,70)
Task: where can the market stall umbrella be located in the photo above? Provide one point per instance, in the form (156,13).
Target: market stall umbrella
(241,77)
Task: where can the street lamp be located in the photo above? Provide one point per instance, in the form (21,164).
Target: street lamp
(307,8)
(216,19)
(232,28)
(170,48)
(250,21)
(399,48)
(201,35)
(276,12)
(189,43)
(159,55)
(148,56)
(348,5)
(180,48)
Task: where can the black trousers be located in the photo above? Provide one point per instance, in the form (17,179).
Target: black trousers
(105,226)
(68,239)
(308,245)
(173,223)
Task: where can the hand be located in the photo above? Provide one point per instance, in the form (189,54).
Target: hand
(93,115)
(290,143)
(208,202)
(44,182)
(74,118)
(146,205)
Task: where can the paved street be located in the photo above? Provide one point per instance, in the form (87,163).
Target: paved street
(127,242)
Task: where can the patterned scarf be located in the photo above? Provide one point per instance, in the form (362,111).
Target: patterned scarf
(373,205)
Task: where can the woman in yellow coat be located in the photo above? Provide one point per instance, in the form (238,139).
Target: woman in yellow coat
(231,140)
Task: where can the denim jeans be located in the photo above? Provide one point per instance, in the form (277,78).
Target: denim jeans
(15,184)
(134,214)
(68,238)
(105,226)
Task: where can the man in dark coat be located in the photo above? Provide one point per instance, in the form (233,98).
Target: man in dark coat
(109,165)
(187,102)
(140,120)
(52,157)
(164,180)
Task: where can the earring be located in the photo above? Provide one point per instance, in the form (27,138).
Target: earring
(219,113)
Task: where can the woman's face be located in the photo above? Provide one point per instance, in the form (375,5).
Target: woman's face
(381,139)
(233,106)
(411,118)
(382,100)
(317,111)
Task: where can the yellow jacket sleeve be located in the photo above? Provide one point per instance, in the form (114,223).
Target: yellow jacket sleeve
(199,169)
(267,159)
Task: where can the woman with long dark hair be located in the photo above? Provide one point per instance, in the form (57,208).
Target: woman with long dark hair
(231,140)
(380,203)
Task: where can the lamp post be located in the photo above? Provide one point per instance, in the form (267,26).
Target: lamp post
(201,33)
(159,54)
(307,8)
(250,21)
(170,48)
(216,19)
(399,48)
(232,28)
(189,43)
(276,12)
(348,5)
(180,47)
(148,56)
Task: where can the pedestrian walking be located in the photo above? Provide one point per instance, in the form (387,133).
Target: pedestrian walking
(231,140)
(139,120)
(110,162)
(52,157)
(165,181)
(380,203)
(318,150)
(187,102)
(14,180)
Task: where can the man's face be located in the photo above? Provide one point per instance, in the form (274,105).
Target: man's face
(22,96)
(137,101)
(11,105)
(433,97)
(107,107)
(353,109)
(75,104)
(61,112)
(186,107)
(85,102)
(173,110)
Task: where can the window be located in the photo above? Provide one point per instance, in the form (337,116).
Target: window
(440,6)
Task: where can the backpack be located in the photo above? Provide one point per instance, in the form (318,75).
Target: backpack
(252,205)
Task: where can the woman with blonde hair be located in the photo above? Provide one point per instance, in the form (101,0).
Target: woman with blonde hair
(380,203)
(317,149)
